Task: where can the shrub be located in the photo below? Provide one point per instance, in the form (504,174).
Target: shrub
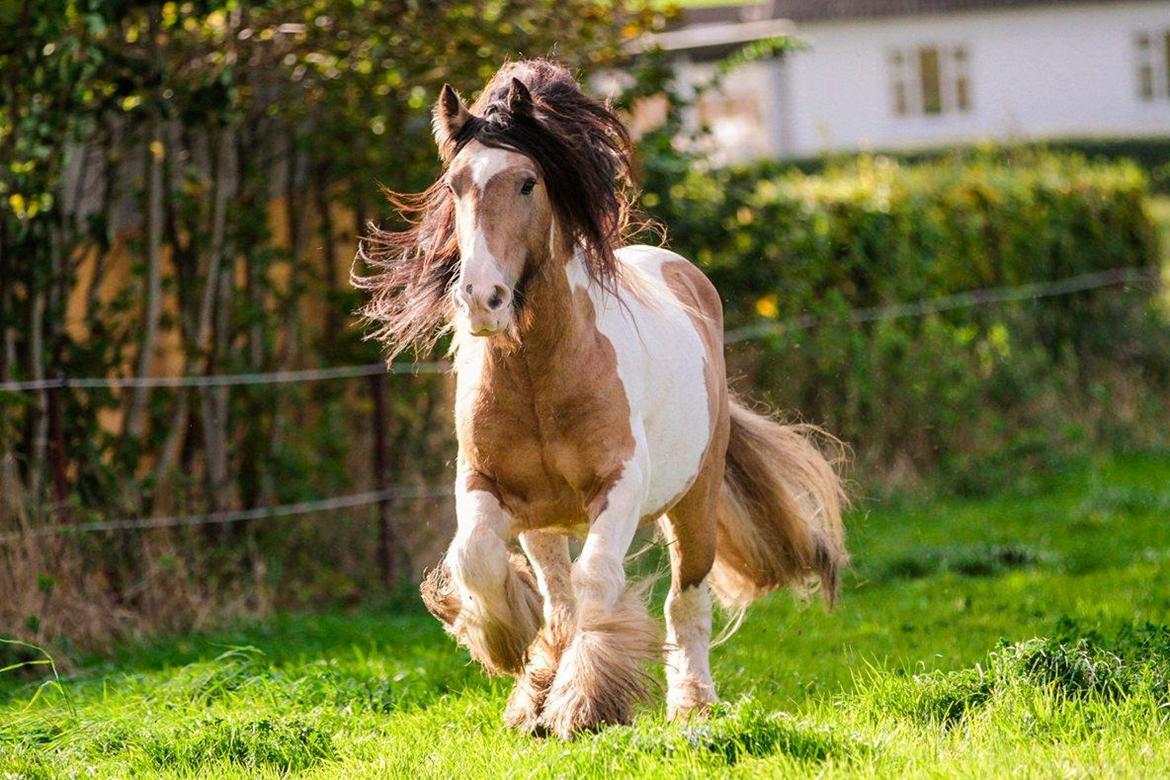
(978,394)
(1152,153)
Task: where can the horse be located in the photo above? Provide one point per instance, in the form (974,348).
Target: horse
(591,399)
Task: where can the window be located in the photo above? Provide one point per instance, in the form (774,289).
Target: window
(930,80)
(1153,65)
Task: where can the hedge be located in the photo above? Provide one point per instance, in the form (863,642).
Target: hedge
(1151,153)
(970,393)
(876,231)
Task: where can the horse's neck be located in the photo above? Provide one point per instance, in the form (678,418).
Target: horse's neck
(556,320)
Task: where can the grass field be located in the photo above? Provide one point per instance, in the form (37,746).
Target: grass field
(1023,635)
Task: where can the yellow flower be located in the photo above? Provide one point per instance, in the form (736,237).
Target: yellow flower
(768,306)
(16,201)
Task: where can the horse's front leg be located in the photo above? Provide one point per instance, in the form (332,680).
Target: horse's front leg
(486,597)
(549,554)
(603,672)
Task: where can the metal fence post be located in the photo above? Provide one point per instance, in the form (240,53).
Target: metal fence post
(57,452)
(387,543)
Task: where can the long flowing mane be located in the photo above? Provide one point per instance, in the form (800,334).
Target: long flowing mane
(585,159)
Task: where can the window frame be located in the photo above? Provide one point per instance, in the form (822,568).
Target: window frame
(1151,71)
(930,80)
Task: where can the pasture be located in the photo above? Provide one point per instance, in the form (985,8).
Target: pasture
(1026,634)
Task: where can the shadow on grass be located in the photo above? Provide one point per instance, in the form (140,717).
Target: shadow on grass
(372,655)
(967,560)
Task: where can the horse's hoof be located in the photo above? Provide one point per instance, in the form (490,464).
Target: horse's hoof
(526,720)
(569,712)
(526,703)
(689,699)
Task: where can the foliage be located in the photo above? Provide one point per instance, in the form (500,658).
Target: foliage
(1064,664)
(182,186)
(973,393)
(1151,153)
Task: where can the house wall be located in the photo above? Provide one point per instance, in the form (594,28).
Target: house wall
(1033,73)
(745,116)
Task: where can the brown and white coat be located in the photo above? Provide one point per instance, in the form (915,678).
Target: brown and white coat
(591,399)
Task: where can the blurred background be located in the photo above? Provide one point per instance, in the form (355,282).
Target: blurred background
(939,227)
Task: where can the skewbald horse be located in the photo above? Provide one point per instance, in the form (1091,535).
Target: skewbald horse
(591,399)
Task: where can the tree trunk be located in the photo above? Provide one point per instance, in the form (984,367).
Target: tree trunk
(39,424)
(290,347)
(213,401)
(198,345)
(296,236)
(329,250)
(135,422)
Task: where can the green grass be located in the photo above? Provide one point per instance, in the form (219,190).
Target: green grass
(1021,635)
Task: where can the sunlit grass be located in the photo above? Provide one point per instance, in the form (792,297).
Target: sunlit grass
(1021,635)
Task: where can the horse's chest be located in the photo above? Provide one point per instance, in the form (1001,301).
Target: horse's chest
(548,453)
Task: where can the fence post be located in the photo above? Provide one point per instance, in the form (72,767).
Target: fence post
(57,451)
(387,543)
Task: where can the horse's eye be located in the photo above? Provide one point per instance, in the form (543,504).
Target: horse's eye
(526,187)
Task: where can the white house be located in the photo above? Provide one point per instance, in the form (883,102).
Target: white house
(890,74)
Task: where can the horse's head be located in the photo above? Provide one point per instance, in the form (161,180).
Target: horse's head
(536,172)
(504,221)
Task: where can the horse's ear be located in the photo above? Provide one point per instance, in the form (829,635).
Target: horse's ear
(449,117)
(519,98)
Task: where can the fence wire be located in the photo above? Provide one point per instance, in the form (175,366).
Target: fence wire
(964,300)
(237,515)
(227,380)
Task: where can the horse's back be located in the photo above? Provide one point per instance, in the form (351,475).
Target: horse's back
(689,285)
(668,334)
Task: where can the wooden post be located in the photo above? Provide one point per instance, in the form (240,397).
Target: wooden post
(57,453)
(387,541)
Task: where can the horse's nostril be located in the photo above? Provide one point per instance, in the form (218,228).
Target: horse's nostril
(467,289)
(499,297)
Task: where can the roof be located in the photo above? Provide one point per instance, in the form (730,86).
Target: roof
(719,37)
(810,10)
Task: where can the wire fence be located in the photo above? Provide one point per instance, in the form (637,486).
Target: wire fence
(964,300)
(226,380)
(332,503)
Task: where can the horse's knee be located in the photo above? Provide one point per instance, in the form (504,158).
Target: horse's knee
(598,580)
(692,549)
(478,560)
(499,607)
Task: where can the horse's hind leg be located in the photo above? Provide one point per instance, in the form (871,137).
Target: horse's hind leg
(690,536)
(549,554)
